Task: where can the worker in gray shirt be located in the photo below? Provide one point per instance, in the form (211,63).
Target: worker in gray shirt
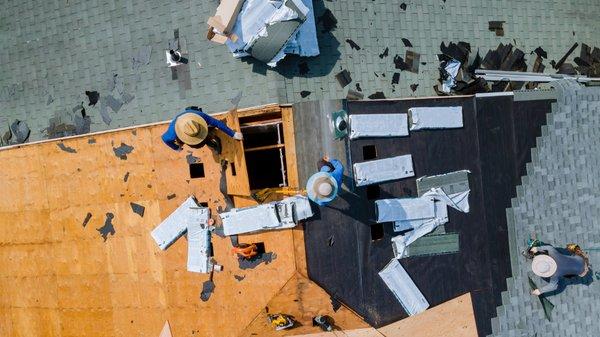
(550,263)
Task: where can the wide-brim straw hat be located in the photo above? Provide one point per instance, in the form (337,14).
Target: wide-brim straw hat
(318,184)
(191,128)
(543,266)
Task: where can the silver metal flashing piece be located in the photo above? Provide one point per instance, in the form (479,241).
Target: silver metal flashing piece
(198,235)
(403,288)
(174,225)
(447,117)
(275,215)
(378,125)
(387,210)
(377,171)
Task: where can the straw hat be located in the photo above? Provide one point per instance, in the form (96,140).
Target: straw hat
(191,129)
(321,187)
(543,265)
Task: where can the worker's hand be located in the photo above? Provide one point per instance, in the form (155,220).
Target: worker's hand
(211,222)
(536,292)
(533,249)
(238,136)
(326,158)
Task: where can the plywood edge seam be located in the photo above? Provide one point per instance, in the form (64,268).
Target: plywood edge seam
(255,317)
(133,127)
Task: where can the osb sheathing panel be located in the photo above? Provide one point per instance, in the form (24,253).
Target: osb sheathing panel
(59,278)
(304,300)
(453,318)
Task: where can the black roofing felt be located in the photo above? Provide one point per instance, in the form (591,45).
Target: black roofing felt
(494,145)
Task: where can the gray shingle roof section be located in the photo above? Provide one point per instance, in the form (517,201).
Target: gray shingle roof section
(56,49)
(557,202)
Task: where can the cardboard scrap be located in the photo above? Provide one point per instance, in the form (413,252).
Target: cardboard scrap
(222,22)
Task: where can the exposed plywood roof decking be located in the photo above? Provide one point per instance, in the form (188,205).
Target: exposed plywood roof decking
(61,278)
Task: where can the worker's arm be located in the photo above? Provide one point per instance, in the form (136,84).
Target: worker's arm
(550,286)
(338,171)
(545,248)
(211,121)
(170,138)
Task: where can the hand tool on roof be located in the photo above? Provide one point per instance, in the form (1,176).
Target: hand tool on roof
(281,321)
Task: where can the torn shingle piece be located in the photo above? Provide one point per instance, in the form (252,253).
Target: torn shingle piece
(541,52)
(399,63)
(93,97)
(104,113)
(385,53)
(378,125)
(127,97)
(377,95)
(108,227)
(353,44)
(20,132)
(126,177)
(354,95)
(88,216)
(343,78)
(404,289)
(137,209)
(403,6)
(497,26)
(304,93)
(412,61)
(396,78)
(564,58)
(414,87)
(406,43)
(122,151)
(65,148)
(171,228)
(381,170)
(113,103)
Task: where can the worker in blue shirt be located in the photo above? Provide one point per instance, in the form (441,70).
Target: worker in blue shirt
(322,187)
(193,127)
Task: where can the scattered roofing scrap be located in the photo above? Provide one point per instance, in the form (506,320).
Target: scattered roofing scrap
(381,170)
(65,148)
(265,30)
(497,27)
(404,289)
(378,125)
(20,132)
(122,151)
(353,44)
(108,227)
(271,216)
(88,216)
(384,53)
(435,118)
(93,97)
(377,95)
(343,78)
(137,209)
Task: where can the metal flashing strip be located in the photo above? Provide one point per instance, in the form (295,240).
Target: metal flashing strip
(404,209)
(174,225)
(535,95)
(249,219)
(377,171)
(404,289)
(378,125)
(275,215)
(434,245)
(198,236)
(440,215)
(450,183)
(448,117)
(518,76)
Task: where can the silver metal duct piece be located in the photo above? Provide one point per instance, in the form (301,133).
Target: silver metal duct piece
(377,171)
(378,125)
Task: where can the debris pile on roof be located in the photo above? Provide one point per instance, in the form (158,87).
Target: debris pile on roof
(265,30)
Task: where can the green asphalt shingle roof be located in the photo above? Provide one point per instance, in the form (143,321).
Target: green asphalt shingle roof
(557,203)
(61,49)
